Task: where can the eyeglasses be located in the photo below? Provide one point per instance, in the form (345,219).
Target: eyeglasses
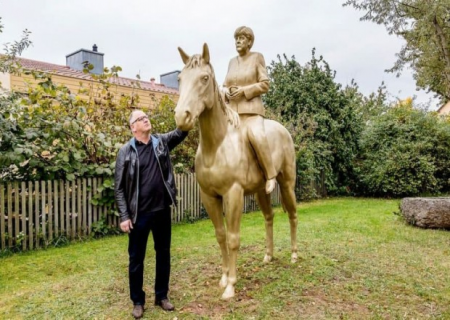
(140,119)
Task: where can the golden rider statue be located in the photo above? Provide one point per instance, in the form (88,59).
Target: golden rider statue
(244,84)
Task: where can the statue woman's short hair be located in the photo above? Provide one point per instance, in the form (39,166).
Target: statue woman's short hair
(247,32)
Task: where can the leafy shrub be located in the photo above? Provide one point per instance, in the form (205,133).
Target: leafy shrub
(101,228)
(404,152)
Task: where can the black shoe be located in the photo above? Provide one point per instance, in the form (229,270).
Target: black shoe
(165,304)
(138,311)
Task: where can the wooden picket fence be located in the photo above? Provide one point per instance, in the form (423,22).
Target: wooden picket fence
(36,214)
(33,214)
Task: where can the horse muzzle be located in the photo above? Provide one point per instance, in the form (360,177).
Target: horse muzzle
(184,119)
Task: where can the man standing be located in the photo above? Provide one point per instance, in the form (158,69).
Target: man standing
(144,190)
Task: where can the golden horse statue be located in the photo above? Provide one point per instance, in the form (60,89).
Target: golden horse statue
(226,165)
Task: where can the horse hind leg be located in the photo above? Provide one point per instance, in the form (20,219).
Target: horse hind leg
(266,208)
(289,205)
(214,209)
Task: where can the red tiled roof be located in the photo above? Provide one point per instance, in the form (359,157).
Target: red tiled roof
(72,73)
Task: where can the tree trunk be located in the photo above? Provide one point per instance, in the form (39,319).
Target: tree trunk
(443,44)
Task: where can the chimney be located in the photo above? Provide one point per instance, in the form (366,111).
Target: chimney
(170,79)
(77,59)
(152,81)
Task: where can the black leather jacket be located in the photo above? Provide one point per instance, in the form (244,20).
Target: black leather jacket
(126,182)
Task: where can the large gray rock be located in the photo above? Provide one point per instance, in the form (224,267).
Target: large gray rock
(427,212)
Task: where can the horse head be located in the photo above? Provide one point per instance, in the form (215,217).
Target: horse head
(197,87)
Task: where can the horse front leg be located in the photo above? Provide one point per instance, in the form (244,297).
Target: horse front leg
(214,208)
(264,203)
(234,200)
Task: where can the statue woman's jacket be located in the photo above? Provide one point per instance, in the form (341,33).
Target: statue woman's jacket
(251,74)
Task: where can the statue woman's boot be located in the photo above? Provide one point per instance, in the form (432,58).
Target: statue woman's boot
(270,185)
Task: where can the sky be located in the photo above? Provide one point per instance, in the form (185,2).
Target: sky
(142,36)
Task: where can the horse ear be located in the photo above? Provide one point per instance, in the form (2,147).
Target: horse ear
(184,56)
(205,54)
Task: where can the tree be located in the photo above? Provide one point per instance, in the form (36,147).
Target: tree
(425,26)
(368,107)
(321,116)
(8,62)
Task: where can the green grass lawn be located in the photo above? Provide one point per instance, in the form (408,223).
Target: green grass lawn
(357,260)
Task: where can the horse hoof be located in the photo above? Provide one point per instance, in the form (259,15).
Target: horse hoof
(294,258)
(267,258)
(229,293)
(223,281)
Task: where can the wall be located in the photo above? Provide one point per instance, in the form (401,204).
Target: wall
(445,109)
(148,99)
(5,81)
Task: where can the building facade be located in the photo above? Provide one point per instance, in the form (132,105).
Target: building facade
(445,109)
(72,76)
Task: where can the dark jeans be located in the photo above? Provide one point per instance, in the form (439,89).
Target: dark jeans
(160,224)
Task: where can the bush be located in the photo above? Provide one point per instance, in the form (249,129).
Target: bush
(404,152)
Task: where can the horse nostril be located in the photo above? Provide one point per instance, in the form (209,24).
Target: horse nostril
(188,115)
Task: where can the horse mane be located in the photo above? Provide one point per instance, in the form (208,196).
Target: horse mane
(232,116)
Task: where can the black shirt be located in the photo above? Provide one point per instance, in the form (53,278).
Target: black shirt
(152,191)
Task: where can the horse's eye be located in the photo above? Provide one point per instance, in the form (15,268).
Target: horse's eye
(205,78)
